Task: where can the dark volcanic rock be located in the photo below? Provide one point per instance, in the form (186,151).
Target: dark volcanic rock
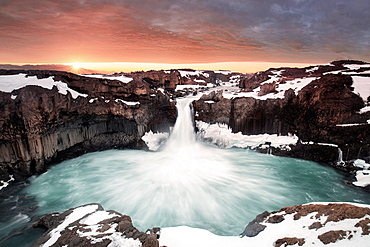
(316,113)
(90,225)
(41,126)
(254,227)
(314,221)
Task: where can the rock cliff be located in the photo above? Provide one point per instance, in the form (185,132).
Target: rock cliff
(321,104)
(75,114)
(41,125)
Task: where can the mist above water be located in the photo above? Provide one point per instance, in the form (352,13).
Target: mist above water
(188,183)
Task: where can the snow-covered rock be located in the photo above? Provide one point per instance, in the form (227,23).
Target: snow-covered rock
(8,83)
(90,225)
(317,224)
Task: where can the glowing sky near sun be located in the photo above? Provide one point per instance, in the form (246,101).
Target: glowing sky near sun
(229,32)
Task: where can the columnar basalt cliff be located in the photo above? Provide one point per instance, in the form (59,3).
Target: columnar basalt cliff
(40,126)
(319,104)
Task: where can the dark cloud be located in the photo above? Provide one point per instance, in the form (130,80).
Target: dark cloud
(183,31)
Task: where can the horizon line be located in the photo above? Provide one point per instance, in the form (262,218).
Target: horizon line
(241,67)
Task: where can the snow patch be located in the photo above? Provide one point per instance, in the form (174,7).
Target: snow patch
(96,217)
(361,86)
(356,66)
(8,83)
(312,69)
(363,178)
(288,228)
(365,109)
(224,72)
(76,214)
(188,74)
(93,100)
(296,84)
(221,135)
(93,231)
(121,78)
(127,102)
(350,124)
(361,164)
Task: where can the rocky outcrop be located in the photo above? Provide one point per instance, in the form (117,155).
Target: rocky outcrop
(41,126)
(321,111)
(91,225)
(169,79)
(314,224)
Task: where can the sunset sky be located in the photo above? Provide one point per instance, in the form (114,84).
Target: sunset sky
(217,34)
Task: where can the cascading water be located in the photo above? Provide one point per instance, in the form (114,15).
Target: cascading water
(340,161)
(187,183)
(182,136)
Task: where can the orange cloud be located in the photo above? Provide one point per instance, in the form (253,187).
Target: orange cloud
(197,31)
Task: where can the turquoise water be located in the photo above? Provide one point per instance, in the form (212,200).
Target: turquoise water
(222,193)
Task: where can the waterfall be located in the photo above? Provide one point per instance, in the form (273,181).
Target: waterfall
(182,136)
(340,161)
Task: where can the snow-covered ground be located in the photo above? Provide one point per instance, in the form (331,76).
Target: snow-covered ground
(8,83)
(89,216)
(121,78)
(222,136)
(186,73)
(362,176)
(361,86)
(184,236)
(281,88)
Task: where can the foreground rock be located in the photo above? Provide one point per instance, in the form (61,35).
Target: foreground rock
(90,225)
(338,224)
(324,224)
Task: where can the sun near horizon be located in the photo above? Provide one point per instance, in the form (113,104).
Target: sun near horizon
(242,67)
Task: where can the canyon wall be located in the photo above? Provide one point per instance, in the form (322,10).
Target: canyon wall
(40,126)
(325,110)
(81,114)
